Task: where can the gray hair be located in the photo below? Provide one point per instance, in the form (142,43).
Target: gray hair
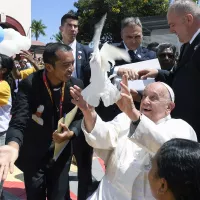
(185,7)
(131,21)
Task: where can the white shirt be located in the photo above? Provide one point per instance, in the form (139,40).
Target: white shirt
(194,36)
(126,151)
(73,46)
(117,68)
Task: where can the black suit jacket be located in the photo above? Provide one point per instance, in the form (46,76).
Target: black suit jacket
(82,63)
(35,140)
(185,81)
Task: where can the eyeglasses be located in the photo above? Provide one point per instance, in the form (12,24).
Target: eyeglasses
(164,55)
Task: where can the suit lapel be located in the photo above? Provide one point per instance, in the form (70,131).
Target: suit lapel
(139,51)
(78,59)
(187,52)
(121,46)
(191,49)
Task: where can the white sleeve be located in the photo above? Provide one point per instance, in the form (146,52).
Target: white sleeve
(105,135)
(151,136)
(115,70)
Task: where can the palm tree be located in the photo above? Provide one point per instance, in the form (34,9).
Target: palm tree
(58,37)
(38,28)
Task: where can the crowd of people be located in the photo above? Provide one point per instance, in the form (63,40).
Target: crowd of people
(148,142)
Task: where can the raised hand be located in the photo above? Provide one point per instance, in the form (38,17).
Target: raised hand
(78,99)
(126,103)
(147,73)
(131,73)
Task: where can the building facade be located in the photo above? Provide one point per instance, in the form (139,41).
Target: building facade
(16,14)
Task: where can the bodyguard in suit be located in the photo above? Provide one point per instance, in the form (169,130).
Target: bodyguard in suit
(69,31)
(42,99)
(184,21)
(81,150)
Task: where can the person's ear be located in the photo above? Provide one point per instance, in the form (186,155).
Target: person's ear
(61,29)
(163,187)
(189,19)
(49,67)
(170,107)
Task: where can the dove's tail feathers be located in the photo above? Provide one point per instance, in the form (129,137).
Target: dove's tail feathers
(111,53)
(90,96)
(98,30)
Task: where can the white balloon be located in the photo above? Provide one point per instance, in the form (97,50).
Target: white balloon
(27,44)
(10,34)
(8,48)
(19,42)
(14,42)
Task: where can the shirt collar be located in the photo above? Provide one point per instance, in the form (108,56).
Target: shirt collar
(164,119)
(127,48)
(194,36)
(73,45)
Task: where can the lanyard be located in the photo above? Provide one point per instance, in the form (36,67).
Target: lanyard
(50,93)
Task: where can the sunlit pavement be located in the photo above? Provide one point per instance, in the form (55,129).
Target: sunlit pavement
(14,185)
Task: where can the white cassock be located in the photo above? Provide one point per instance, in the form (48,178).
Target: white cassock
(126,151)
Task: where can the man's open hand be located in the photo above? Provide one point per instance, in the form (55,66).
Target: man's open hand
(8,156)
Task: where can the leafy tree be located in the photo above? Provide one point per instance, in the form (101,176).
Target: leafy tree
(58,36)
(38,28)
(90,12)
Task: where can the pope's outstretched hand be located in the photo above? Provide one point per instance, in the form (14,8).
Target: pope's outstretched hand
(126,103)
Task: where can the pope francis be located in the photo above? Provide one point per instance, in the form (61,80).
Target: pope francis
(127,143)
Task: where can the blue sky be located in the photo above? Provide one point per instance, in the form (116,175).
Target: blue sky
(50,12)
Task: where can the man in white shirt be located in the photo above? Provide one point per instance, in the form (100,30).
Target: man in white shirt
(184,21)
(127,143)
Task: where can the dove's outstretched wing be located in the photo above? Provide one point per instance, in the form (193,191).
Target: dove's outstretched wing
(97,35)
(110,53)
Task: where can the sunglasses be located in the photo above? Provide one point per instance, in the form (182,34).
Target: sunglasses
(164,55)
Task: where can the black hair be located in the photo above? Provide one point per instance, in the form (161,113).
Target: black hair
(70,15)
(49,55)
(163,46)
(178,162)
(153,46)
(8,64)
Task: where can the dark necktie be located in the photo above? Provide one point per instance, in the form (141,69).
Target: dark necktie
(184,50)
(132,55)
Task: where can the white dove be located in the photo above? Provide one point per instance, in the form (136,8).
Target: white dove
(100,85)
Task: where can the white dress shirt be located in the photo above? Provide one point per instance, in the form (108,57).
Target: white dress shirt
(126,151)
(73,46)
(194,36)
